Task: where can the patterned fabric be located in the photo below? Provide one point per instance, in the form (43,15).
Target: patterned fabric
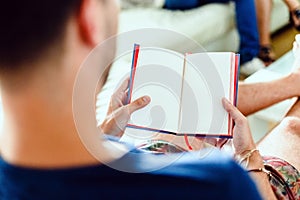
(284,178)
(160,147)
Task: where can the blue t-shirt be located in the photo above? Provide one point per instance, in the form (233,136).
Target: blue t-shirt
(211,175)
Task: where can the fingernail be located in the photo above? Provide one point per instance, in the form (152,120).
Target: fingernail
(146,99)
(225,100)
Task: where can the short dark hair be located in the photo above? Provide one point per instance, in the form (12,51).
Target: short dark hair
(29,27)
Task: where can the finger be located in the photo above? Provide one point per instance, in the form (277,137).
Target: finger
(138,104)
(232,110)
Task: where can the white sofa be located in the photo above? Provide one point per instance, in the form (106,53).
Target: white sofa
(212,26)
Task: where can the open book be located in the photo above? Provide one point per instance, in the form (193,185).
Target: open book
(185,90)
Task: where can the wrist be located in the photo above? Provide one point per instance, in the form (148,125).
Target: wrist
(255,161)
(250,159)
(246,149)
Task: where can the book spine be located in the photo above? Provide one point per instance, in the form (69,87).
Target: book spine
(135,57)
(237,75)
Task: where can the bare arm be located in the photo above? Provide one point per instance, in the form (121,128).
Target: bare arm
(261,179)
(242,142)
(263,12)
(256,96)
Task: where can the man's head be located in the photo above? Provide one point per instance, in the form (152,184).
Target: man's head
(36,30)
(42,44)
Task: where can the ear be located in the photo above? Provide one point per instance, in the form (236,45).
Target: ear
(90,22)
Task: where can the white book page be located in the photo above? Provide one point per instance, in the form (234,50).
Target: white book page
(206,81)
(159,75)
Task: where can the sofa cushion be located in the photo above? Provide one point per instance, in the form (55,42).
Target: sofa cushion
(202,24)
(212,25)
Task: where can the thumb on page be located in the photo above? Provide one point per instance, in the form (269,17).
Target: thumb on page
(138,104)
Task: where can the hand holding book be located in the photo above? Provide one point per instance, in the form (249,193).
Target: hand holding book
(242,138)
(119,111)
